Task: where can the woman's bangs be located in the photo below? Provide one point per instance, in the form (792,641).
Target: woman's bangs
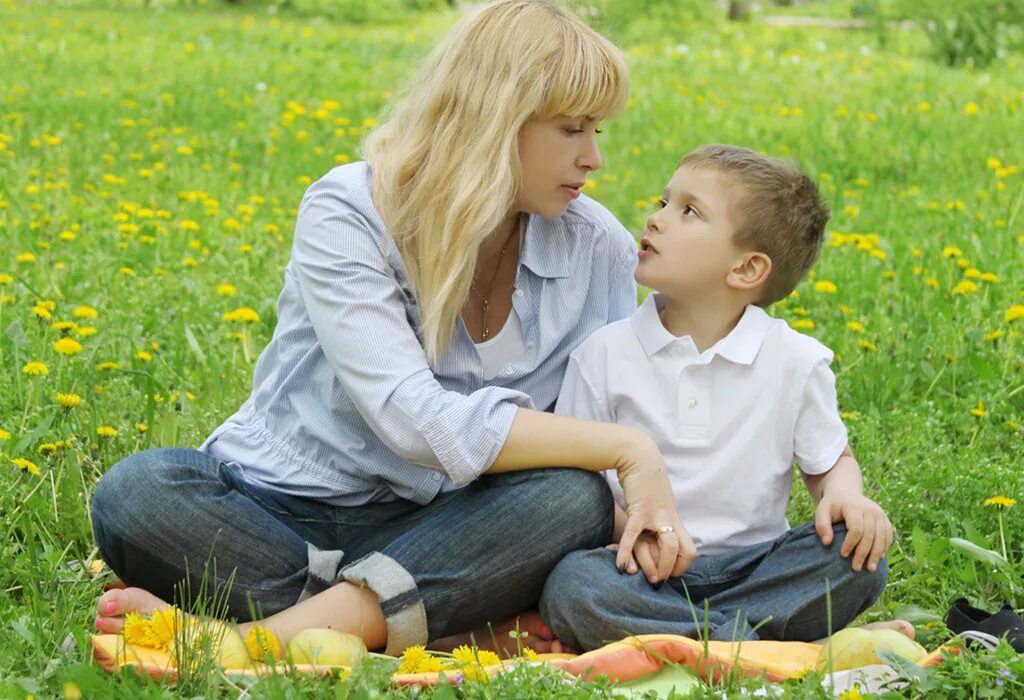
(590,81)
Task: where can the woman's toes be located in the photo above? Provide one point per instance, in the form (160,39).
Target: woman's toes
(114,604)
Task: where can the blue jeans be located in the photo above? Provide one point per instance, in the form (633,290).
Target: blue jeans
(165,517)
(777,587)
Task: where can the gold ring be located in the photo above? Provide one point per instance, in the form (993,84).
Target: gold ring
(663,530)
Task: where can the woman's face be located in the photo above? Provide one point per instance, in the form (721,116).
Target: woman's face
(556,155)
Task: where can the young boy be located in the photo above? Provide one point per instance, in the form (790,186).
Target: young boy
(732,397)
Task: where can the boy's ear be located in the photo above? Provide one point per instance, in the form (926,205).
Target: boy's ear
(750,271)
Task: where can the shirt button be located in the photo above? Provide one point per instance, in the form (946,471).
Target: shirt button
(692,403)
(437,476)
(519,293)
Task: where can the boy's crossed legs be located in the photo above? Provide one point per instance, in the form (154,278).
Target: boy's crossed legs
(777,587)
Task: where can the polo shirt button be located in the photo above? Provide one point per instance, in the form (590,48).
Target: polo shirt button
(519,293)
(692,403)
(437,476)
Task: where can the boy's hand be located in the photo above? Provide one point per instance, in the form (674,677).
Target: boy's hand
(868,530)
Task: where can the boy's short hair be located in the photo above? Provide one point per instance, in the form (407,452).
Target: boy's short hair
(778,211)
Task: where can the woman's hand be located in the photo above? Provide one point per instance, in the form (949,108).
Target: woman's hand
(651,508)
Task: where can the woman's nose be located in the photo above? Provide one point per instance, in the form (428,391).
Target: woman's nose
(591,159)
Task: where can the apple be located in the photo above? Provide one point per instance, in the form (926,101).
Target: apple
(210,636)
(326,647)
(855,647)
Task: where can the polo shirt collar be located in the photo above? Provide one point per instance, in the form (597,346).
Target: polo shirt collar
(740,345)
(546,246)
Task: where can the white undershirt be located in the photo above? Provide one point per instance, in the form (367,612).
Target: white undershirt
(506,345)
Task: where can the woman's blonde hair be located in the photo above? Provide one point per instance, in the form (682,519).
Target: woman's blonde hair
(445,161)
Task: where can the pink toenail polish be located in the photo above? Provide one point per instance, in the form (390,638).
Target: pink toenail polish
(97,622)
(110,607)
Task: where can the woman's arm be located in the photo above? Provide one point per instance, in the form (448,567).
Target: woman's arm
(542,439)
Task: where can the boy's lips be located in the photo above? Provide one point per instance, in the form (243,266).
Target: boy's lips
(645,245)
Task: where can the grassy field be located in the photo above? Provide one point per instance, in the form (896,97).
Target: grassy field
(151,161)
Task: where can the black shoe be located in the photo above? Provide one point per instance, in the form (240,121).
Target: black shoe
(963,618)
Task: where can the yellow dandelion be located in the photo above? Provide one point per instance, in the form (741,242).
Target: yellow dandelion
(85,331)
(529,654)
(26,257)
(144,356)
(107,366)
(971,108)
(226,290)
(1014,313)
(952,252)
(851,694)
(412,657)
(802,324)
(867,345)
(164,625)
(989,277)
(825,287)
(4,435)
(42,312)
(67,346)
(47,449)
(1000,502)
(931,282)
(137,630)
(68,401)
(35,369)
(994,335)
(965,287)
(84,312)
(6,279)
(64,326)
(25,465)
(262,643)
(141,427)
(242,314)
(855,326)
(979,410)
(107,431)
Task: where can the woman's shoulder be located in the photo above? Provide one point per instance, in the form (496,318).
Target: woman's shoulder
(349,183)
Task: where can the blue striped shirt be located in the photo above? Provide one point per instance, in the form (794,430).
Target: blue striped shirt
(345,407)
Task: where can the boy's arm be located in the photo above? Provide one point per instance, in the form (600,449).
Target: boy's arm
(839,493)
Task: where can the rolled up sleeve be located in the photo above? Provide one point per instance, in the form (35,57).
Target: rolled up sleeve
(358,312)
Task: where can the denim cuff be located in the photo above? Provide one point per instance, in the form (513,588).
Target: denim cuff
(321,571)
(399,597)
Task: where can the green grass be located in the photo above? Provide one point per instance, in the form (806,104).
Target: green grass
(150,155)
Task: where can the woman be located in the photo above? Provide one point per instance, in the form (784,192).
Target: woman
(394,473)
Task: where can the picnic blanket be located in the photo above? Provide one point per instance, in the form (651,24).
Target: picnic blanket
(629,660)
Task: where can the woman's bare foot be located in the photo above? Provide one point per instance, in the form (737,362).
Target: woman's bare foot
(901,626)
(535,635)
(118,602)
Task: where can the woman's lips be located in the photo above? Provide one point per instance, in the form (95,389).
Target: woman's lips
(573,189)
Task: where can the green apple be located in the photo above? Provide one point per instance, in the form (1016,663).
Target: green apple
(892,641)
(210,636)
(846,649)
(326,647)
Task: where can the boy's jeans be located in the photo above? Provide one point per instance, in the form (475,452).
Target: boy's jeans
(471,556)
(777,586)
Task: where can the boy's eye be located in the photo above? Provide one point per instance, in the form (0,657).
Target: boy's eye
(662,203)
(690,211)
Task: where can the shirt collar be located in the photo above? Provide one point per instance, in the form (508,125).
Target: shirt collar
(740,345)
(546,246)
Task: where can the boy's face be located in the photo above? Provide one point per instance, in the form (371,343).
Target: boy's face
(687,247)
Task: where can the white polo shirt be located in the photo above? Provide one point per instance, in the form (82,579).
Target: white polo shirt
(729,422)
